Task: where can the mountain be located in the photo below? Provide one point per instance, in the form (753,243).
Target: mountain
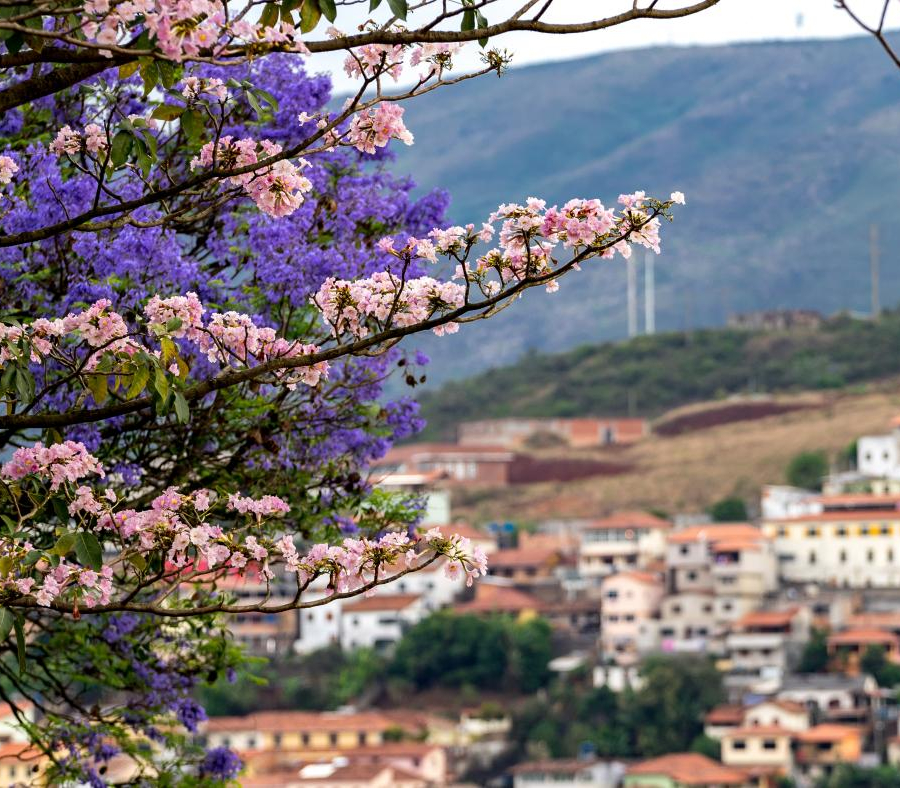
(652,374)
(786,152)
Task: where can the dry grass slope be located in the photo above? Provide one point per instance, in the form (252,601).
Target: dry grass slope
(687,472)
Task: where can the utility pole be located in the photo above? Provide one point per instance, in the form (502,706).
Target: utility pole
(649,294)
(632,297)
(874,254)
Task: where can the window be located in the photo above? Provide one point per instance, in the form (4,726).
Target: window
(841,530)
(684,549)
(332,739)
(612,594)
(629,618)
(782,531)
(676,610)
(304,738)
(770,744)
(843,556)
(276,740)
(812,556)
(890,555)
(692,575)
(812,531)
(361,738)
(707,608)
(739,744)
(870,556)
(885,530)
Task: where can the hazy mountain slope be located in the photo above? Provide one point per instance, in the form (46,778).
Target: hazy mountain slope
(650,375)
(786,152)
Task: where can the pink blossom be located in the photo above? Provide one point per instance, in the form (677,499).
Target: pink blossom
(8,168)
(375,127)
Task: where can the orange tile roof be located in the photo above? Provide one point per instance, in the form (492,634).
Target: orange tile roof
(524,557)
(499,599)
(287,721)
(828,732)
(381,602)
(791,706)
(566,766)
(860,499)
(647,578)
(737,545)
(629,519)
(19,752)
(853,636)
(727,714)
(716,532)
(767,618)
(690,768)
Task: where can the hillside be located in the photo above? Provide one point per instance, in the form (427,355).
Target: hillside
(690,471)
(786,152)
(649,375)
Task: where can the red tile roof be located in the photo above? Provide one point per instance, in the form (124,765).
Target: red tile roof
(289,721)
(499,599)
(381,602)
(850,516)
(690,768)
(524,557)
(716,532)
(850,637)
(728,714)
(629,519)
(828,732)
(767,618)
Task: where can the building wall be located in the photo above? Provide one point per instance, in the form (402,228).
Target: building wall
(852,553)
(771,714)
(377,628)
(686,616)
(758,750)
(605,550)
(750,652)
(878,455)
(627,606)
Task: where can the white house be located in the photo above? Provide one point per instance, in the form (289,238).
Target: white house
(626,540)
(576,772)
(379,621)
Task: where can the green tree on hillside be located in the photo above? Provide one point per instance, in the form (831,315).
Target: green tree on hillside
(729,510)
(807,470)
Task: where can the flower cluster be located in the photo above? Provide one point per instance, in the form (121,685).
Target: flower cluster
(178,525)
(59,462)
(8,168)
(375,127)
(277,188)
(226,338)
(374,60)
(192,88)
(70,142)
(349,306)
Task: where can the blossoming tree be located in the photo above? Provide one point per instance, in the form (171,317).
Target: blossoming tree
(205,272)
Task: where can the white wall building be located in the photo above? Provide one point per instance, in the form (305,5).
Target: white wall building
(379,621)
(849,549)
(626,540)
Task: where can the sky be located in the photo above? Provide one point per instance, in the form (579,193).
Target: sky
(729,22)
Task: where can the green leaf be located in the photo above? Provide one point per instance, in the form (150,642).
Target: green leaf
(182,411)
(138,381)
(6,565)
(120,148)
(168,73)
(192,123)
(6,623)
(328,8)
(19,624)
(161,384)
(138,562)
(399,8)
(127,69)
(88,550)
(65,544)
(251,99)
(482,23)
(309,15)
(24,385)
(149,74)
(373,4)
(60,510)
(167,112)
(15,42)
(174,323)
(468,20)
(99,388)
(269,15)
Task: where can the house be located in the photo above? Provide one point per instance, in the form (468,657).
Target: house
(524,565)
(625,540)
(852,548)
(458,464)
(878,456)
(11,729)
(830,696)
(763,645)
(319,734)
(680,770)
(717,573)
(355,775)
(762,749)
(493,598)
(821,748)
(582,773)
(631,601)
(22,764)
(786,714)
(379,621)
(517,433)
(723,719)
(846,649)
(260,632)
